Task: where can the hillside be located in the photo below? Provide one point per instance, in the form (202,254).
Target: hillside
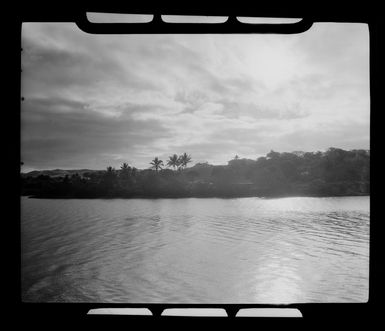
(57,172)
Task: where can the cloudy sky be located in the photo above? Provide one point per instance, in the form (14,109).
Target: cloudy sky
(98,100)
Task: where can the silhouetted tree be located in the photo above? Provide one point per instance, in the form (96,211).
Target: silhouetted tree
(173,161)
(125,171)
(156,164)
(125,166)
(108,180)
(272,155)
(184,159)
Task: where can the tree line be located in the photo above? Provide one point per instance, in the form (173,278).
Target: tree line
(336,172)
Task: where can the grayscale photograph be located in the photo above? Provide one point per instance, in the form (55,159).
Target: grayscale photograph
(195,168)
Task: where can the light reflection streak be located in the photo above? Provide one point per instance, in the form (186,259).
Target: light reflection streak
(282,276)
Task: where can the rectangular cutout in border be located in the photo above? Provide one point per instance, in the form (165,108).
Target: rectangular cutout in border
(269,312)
(120,311)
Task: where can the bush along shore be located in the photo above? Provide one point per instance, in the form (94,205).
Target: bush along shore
(336,172)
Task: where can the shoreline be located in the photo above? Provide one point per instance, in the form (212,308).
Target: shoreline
(192,196)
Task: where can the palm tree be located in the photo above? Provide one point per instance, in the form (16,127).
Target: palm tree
(110,170)
(125,170)
(156,164)
(184,159)
(124,166)
(173,161)
(110,173)
(109,177)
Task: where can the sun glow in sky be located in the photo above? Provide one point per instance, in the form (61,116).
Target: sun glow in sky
(98,100)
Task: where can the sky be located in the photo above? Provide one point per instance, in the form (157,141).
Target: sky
(92,101)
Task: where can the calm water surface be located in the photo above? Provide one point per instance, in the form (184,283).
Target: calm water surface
(246,250)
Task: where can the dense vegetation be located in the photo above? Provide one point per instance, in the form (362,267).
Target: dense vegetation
(335,172)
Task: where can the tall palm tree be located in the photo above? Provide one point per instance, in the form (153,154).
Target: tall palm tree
(156,164)
(184,159)
(173,161)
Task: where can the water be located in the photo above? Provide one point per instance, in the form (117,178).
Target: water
(245,250)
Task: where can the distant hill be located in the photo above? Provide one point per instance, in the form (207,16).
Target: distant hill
(56,172)
(204,170)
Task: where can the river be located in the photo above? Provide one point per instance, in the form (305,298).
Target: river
(245,250)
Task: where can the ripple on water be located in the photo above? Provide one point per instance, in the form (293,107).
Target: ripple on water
(196,250)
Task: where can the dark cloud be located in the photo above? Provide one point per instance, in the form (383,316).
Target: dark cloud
(57,67)
(50,134)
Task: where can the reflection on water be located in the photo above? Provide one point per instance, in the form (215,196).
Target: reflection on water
(246,250)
